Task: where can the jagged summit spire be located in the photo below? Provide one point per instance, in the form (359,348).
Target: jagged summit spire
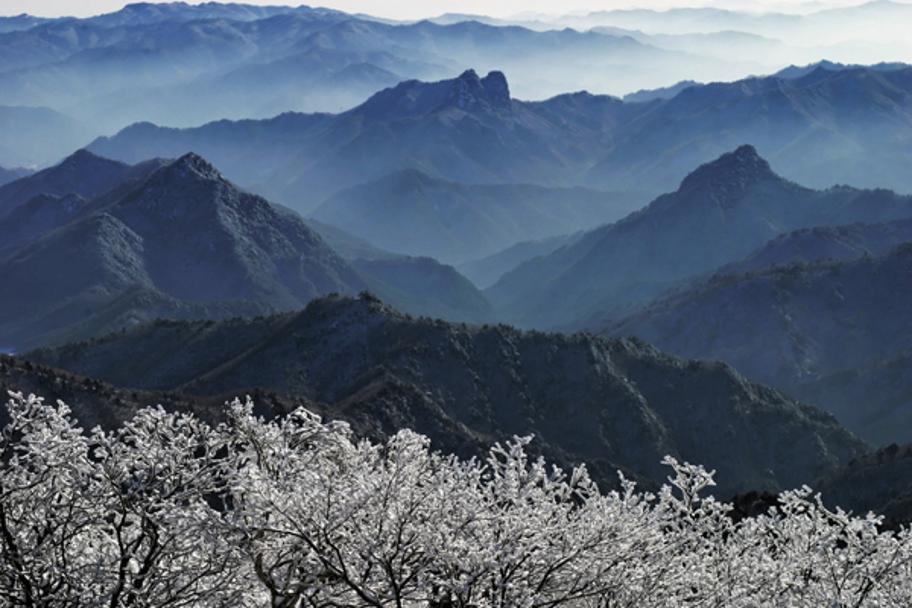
(730,174)
(472,92)
(495,85)
(467,92)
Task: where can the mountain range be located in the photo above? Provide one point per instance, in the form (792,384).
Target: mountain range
(720,213)
(413,213)
(805,328)
(94,245)
(154,61)
(175,239)
(82,174)
(34,136)
(467,129)
(9,175)
(822,243)
(608,403)
(875,481)
(683,232)
(853,123)
(486,271)
(158,61)
(867,22)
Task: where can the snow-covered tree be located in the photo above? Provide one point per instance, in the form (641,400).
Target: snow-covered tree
(296,512)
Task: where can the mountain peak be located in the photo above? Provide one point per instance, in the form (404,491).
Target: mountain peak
(192,164)
(472,92)
(496,86)
(83,158)
(185,188)
(467,92)
(731,174)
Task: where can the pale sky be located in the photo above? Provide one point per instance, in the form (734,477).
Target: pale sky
(413,9)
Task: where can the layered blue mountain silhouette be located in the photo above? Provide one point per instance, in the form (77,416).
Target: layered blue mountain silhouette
(851,123)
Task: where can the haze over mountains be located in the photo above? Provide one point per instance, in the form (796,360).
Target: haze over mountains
(343,212)
(35,135)
(863,30)
(155,61)
(149,62)
(9,175)
(851,122)
(413,213)
(720,213)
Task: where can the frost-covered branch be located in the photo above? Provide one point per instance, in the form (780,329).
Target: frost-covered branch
(296,512)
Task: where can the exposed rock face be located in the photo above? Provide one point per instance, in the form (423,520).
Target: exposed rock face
(414,99)
(608,403)
(727,180)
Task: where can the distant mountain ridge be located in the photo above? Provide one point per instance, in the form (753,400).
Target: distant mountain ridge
(721,213)
(647,95)
(846,123)
(413,213)
(175,239)
(833,332)
(243,59)
(454,130)
(34,135)
(9,175)
(486,271)
(586,399)
(414,99)
(821,243)
(82,173)
(797,71)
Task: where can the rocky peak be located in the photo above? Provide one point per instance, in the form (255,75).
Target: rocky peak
(730,176)
(413,98)
(192,165)
(497,90)
(189,187)
(83,160)
(471,92)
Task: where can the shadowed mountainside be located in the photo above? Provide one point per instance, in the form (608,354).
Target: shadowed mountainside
(834,333)
(179,242)
(608,403)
